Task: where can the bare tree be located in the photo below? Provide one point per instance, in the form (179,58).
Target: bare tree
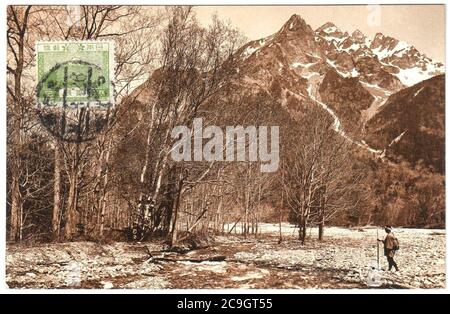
(318,179)
(18,18)
(195,66)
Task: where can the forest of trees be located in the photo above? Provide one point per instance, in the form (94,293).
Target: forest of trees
(122,184)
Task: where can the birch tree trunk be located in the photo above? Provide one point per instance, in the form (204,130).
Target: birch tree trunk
(56,193)
(104,192)
(70,214)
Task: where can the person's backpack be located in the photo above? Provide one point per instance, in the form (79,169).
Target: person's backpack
(396,244)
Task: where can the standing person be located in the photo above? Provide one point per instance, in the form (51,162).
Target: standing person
(390,246)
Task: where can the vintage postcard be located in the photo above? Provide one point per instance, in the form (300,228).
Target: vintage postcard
(225,147)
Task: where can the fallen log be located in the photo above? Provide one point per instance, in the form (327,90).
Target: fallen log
(217,258)
(61,263)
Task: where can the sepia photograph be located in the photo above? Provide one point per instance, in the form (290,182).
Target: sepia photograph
(215,147)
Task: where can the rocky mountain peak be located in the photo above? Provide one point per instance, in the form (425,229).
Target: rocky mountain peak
(382,41)
(328,27)
(378,36)
(295,24)
(296,33)
(358,36)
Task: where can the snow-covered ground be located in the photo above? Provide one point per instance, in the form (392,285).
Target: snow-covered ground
(421,257)
(344,259)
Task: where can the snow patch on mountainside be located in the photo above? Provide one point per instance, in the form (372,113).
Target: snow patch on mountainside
(303,65)
(309,75)
(312,89)
(255,46)
(353,73)
(353,47)
(336,40)
(384,52)
(398,138)
(412,76)
(417,93)
(375,88)
(248,52)
(331,29)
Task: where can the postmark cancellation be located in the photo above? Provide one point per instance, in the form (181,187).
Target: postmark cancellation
(74,74)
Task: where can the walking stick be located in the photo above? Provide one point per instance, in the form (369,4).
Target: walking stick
(378,252)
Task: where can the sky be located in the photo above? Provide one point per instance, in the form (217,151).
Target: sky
(420,25)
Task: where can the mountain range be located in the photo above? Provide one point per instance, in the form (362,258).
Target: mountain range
(383,94)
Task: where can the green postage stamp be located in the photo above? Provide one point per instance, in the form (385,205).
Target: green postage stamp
(73,74)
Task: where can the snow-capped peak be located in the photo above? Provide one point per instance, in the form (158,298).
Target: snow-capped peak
(329,28)
(395,56)
(385,46)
